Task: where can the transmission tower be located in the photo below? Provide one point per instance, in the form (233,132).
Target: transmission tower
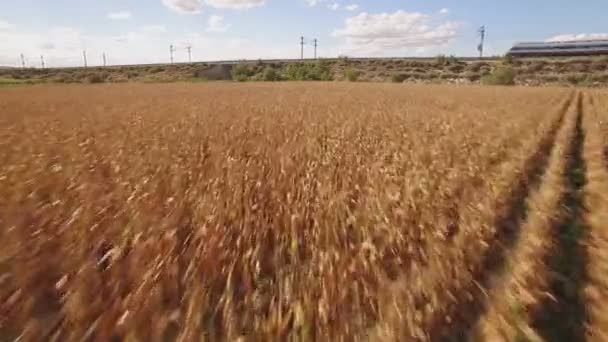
(105,61)
(171,50)
(22,61)
(84,57)
(42,61)
(315,44)
(302,47)
(482,35)
(189,48)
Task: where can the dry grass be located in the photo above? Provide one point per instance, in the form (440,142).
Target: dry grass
(258,211)
(451,276)
(596,202)
(517,297)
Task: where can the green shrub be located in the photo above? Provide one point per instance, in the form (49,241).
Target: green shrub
(456,68)
(535,67)
(441,60)
(95,78)
(549,78)
(579,67)
(574,78)
(132,74)
(156,69)
(398,78)
(18,76)
(587,82)
(452,60)
(472,76)
(351,75)
(600,77)
(11,81)
(426,76)
(475,66)
(270,74)
(448,75)
(241,72)
(62,77)
(309,71)
(500,76)
(599,66)
(419,64)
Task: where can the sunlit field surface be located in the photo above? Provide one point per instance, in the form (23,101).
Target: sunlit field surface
(302,211)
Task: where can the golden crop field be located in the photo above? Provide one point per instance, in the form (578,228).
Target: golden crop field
(303,212)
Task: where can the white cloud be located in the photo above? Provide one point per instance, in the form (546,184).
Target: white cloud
(444,11)
(155,29)
(576,37)
(62,46)
(6,26)
(184,6)
(216,24)
(352,7)
(122,15)
(333,6)
(386,32)
(235,4)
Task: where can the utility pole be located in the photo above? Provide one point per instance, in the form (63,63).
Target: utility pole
(302,47)
(42,61)
(105,61)
(189,54)
(84,58)
(482,34)
(22,61)
(315,42)
(171,49)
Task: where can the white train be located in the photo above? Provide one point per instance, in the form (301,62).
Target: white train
(570,48)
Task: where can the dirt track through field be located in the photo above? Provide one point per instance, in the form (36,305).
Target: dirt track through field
(563,315)
(596,215)
(456,320)
(466,312)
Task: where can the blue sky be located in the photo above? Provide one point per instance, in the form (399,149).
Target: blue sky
(137,31)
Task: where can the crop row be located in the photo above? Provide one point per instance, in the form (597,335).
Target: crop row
(443,298)
(596,203)
(519,294)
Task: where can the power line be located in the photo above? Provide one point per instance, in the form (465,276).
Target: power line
(482,34)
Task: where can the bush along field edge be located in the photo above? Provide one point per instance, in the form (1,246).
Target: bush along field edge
(581,72)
